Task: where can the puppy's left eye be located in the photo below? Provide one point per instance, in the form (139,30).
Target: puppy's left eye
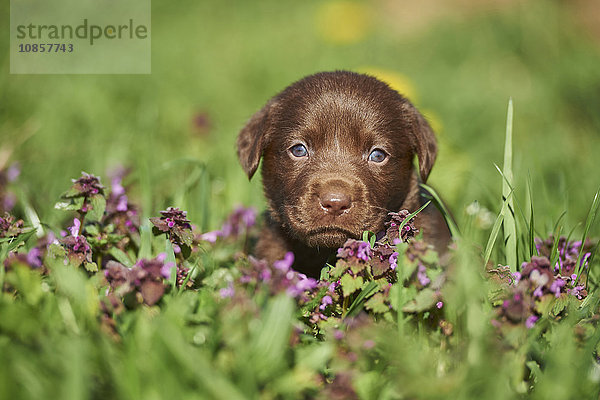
(299,150)
(377,156)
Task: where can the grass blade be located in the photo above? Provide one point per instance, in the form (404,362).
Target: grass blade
(495,230)
(510,232)
(357,304)
(532,248)
(411,216)
(588,223)
(454,231)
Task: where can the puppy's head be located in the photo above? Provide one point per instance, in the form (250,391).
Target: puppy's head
(338,150)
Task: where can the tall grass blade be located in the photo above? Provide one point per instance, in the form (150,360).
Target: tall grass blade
(588,223)
(510,231)
(554,254)
(411,216)
(532,248)
(495,230)
(454,231)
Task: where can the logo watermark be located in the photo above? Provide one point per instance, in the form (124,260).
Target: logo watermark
(80,37)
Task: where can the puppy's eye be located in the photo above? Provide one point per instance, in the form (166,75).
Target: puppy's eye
(377,156)
(299,150)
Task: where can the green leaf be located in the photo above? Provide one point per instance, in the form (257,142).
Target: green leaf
(120,256)
(70,193)
(424,300)
(186,236)
(98,203)
(271,337)
(92,230)
(55,250)
(91,267)
(74,205)
(357,304)
(350,284)
(560,304)
(14,242)
(377,304)
(340,267)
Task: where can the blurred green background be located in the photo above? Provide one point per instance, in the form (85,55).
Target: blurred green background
(214,63)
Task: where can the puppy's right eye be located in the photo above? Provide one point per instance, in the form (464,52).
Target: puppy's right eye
(299,150)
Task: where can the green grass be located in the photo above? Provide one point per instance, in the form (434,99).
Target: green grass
(226,59)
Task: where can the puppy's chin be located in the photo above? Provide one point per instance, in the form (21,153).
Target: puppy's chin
(328,238)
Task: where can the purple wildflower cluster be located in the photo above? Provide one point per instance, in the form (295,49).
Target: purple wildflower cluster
(359,262)
(278,277)
(10,226)
(120,212)
(238,223)
(76,245)
(538,282)
(84,191)
(393,227)
(7,197)
(175,224)
(143,283)
(568,252)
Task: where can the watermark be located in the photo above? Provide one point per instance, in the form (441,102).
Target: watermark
(80,37)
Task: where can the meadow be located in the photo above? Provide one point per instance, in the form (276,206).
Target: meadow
(108,292)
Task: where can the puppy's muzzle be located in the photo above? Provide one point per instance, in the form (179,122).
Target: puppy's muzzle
(335,198)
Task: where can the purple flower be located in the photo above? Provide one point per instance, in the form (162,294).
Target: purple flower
(393,232)
(368,344)
(538,291)
(265,274)
(516,277)
(355,249)
(87,185)
(75,228)
(303,285)
(239,221)
(364,251)
(175,224)
(325,301)
(146,277)
(211,236)
(422,276)
(13,172)
(285,264)
(122,205)
(530,322)
(393,260)
(439,304)
(556,286)
(34,257)
(229,291)
(165,270)
(578,291)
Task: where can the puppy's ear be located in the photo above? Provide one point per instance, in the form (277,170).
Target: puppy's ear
(424,142)
(251,139)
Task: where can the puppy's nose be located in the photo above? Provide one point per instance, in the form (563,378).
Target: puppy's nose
(335,202)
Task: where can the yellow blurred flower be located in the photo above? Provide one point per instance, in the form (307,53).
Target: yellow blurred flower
(397,81)
(434,120)
(343,21)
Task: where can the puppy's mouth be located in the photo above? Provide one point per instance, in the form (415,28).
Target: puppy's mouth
(326,236)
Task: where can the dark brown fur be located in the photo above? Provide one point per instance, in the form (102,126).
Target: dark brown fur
(317,202)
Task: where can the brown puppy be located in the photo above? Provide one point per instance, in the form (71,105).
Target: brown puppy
(338,151)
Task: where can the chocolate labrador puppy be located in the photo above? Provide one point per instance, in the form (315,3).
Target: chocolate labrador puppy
(338,150)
